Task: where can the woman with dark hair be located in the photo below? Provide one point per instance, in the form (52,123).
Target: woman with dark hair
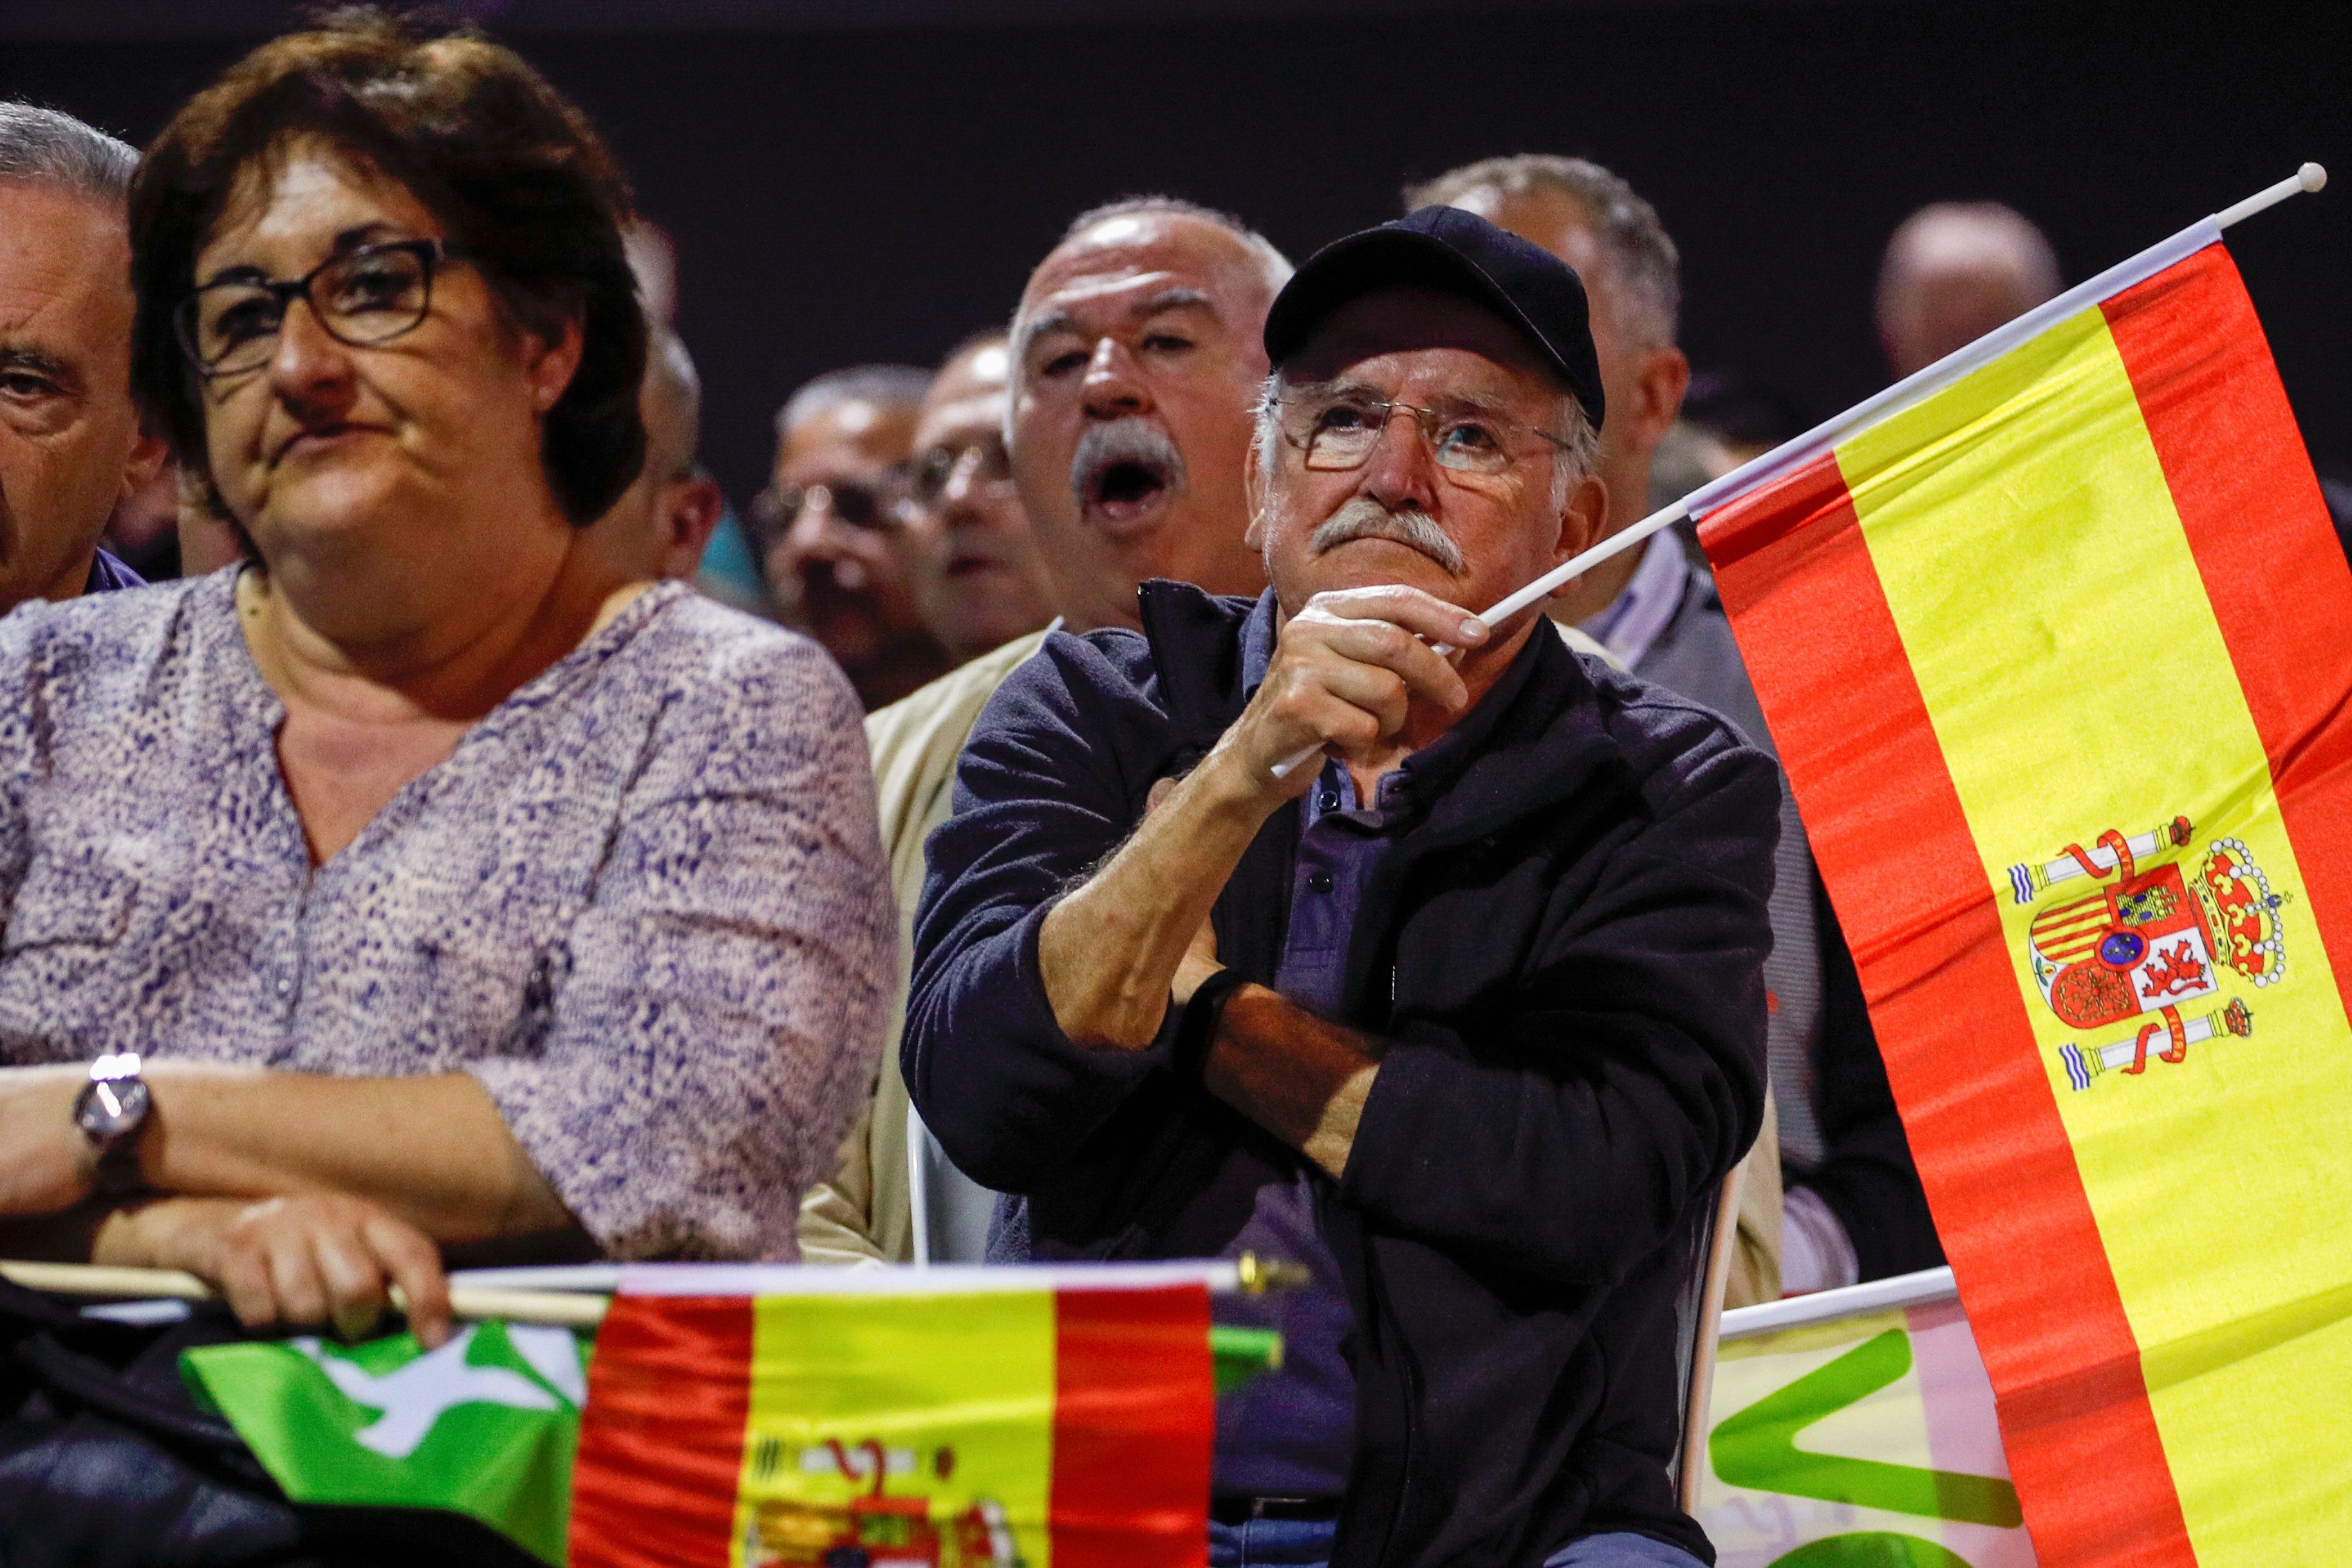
(415,885)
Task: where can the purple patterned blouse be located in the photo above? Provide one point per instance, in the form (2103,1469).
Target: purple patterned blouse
(642,901)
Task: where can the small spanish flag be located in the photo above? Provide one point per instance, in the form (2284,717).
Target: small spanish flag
(978,1418)
(2057,650)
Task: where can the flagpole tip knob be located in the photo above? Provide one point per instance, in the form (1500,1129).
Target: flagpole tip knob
(2312,176)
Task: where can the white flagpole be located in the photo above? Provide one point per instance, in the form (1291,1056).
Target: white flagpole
(1911,389)
(578,1295)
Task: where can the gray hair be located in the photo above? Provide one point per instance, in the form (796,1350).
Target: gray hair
(1645,267)
(884,385)
(1277,265)
(1573,458)
(43,146)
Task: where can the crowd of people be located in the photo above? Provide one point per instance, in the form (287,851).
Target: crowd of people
(1138,846)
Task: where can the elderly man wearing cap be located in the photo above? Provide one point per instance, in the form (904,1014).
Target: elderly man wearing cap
(1469,1020)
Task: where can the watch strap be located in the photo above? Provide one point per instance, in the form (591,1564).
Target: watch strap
(1196,1030)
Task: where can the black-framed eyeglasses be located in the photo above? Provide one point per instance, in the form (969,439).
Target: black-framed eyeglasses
(369,295)
(983,459)
(1338,432)
(873,507)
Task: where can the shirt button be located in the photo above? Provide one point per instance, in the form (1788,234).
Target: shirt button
(1329,800)
(285,986)
(1319,881)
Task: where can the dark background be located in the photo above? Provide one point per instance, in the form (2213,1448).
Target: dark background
(852,180)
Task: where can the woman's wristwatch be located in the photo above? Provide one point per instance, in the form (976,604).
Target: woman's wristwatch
(112,1112)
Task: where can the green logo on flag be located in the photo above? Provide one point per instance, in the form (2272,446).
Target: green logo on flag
(1757,1448)
(487,1424)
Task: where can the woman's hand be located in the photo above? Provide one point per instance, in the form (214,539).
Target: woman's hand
(323,1259)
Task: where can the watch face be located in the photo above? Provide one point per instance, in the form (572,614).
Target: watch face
(110,1109)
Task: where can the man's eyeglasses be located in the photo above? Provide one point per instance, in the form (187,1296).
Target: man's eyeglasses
(985,461)
(874,507)
(1339,433)
(371,295)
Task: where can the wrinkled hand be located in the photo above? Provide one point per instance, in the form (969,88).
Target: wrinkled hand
(324,1260)
(1344,674)
(1200,960)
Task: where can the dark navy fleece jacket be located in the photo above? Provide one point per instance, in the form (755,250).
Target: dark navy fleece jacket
(1566,971)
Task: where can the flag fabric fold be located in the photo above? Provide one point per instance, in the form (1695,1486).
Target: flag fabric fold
(2056,645)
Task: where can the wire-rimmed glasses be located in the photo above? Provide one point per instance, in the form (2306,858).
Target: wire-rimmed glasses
(876,508)
(1338,431)
(984,459)
(369,295)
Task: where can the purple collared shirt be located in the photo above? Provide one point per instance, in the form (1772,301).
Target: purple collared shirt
(108,572)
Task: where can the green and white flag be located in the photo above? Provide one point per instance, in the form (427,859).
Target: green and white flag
(1856,1430)
(485,1426)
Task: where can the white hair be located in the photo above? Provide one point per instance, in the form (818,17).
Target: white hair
(45,147)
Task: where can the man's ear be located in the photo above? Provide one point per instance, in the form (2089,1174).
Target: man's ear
(148,452)
(1253,492)
(1661,379)
(1584,520)
(690,513)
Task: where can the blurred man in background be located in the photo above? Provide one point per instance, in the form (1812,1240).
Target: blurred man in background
(71,448)
(1137,353)
(834,544)
(659,526)
(1953,272)
(980,578)
(1854,1208)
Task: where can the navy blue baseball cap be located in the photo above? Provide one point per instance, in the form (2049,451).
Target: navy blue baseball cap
(1454,252)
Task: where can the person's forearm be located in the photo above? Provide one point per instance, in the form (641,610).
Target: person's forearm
(1301,1078)
(1109,951)
(435,1151)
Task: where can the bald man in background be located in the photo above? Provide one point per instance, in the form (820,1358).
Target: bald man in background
(659,526)
(71,441)
(1853,1209)
(1953,272)
(1137,355)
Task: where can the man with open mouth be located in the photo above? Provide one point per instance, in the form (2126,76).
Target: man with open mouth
(1135,358)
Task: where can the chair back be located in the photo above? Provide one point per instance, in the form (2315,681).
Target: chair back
(1698,1313)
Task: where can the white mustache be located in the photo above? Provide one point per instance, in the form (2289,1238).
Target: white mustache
(1364,518)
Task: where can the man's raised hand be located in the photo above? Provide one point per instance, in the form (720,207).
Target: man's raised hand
(1345,674)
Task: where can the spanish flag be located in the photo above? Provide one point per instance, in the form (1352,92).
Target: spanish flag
(953,1419)
(2056,643)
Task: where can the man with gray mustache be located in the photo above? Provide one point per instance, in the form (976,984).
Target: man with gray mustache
(1467,1019)
(1136,359)
(1137,356)
(1364,518)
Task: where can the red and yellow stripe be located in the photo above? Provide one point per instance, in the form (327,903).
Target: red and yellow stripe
(1081,1419)
(2087,586)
